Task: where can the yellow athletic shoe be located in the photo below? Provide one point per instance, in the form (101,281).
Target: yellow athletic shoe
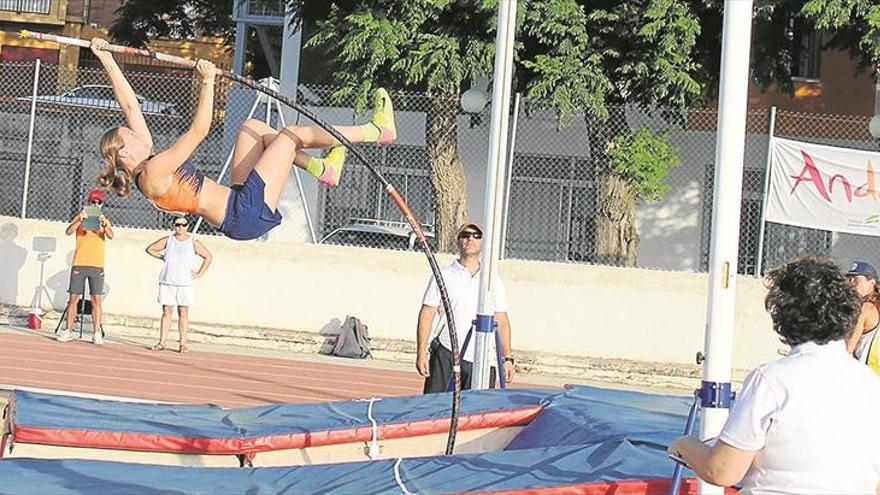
(333,163)
(383,117)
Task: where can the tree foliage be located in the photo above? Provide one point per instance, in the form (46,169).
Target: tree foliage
(646,158)
(583,55)
(435,46)
(430,45)
(137,21)
(850,25)
(856,24)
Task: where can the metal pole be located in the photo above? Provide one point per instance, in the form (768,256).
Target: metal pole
(759,256)
(268,118)
(510,161)
(723,251)
(299,185)
(30,144)
(494,183)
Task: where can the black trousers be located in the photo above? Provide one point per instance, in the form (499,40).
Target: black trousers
(440,367)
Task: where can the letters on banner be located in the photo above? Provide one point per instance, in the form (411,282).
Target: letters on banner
(823,187)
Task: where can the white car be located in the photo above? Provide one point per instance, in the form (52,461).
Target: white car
(101,96)
(383,234)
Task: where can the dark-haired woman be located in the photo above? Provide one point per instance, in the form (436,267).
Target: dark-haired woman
(802,424)
(864,343)
(261,158)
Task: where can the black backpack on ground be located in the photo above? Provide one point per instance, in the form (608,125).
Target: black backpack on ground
(353,340)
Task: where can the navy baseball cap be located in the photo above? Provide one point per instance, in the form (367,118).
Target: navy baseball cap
(862,268)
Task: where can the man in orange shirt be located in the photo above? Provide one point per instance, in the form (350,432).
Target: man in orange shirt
(88,264)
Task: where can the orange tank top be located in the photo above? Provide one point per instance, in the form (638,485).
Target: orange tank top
(183,194)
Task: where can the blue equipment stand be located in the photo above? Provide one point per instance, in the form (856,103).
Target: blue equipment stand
(502,379)
(710,394)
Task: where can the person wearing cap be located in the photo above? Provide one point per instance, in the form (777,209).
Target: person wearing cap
(863,343)
(88,265)
(462,277)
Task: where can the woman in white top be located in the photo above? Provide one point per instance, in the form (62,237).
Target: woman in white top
(178,252)
(802,424)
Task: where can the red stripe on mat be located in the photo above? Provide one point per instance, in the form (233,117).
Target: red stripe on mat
(622,487)
(237,446)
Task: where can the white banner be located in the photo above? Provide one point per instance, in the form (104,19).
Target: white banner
(823,187)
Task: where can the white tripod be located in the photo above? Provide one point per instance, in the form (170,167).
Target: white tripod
(44,246)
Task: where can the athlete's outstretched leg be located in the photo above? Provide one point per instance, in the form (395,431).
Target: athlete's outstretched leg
(285,147)
(380,130)
(255,136)
(273,165)
(252,139)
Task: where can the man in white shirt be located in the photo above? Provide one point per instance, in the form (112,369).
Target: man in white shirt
(462,278)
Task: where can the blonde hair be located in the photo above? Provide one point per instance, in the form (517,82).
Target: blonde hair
(115,176)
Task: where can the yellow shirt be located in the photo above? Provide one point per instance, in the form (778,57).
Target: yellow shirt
(873,360)
(89,249)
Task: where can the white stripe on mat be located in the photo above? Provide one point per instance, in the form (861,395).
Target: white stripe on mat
(10,388)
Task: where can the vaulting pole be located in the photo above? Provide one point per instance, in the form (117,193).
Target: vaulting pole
(389,189)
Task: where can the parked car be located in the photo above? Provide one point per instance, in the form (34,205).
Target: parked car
(383,234)
(101,96)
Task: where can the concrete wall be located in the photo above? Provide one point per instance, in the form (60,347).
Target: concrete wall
(559,308)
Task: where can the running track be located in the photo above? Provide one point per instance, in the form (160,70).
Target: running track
(35,360)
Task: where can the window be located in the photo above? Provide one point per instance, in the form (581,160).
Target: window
(806,49)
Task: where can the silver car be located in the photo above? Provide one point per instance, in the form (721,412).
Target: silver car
(101,96)
(383,234)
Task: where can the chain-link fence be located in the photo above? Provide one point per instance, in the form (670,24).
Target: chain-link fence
(556,197)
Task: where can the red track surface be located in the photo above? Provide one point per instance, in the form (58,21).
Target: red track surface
(230,380)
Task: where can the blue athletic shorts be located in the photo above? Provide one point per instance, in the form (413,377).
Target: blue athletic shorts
(247,216)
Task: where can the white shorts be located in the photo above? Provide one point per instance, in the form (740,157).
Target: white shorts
(173,295)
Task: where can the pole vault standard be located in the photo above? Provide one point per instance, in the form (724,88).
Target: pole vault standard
(492,221)
(715,391)
(389,189)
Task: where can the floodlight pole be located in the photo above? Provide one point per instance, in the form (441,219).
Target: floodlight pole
(715,390)
(492,222)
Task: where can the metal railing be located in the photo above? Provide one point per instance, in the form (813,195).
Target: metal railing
(26,6)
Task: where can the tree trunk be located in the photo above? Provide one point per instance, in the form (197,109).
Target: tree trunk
(617,239)
(447,171)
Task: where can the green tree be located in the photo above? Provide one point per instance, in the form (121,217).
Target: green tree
(599,56)
(777,34)
(139,20)
(855,22)
(596,57)
(424,45)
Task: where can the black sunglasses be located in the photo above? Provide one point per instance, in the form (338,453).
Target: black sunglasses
(96,202)
(180,224)
(467,233)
